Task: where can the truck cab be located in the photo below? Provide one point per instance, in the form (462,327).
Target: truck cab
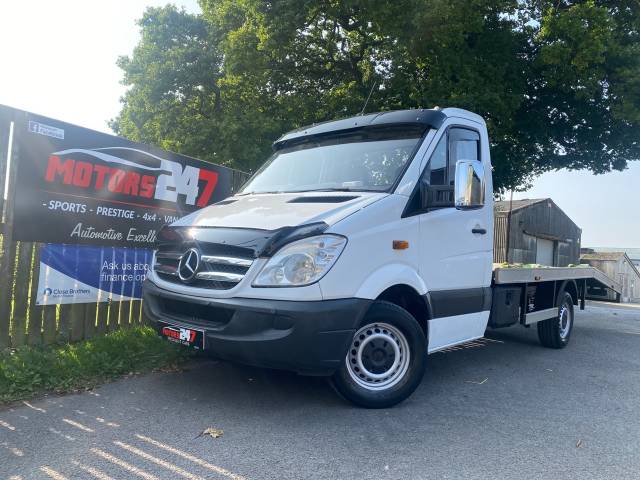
(358,248)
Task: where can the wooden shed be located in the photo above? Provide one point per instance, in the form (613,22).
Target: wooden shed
(621,268)
(535,231)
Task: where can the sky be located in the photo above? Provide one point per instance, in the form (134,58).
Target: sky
(58,58)
(606,207)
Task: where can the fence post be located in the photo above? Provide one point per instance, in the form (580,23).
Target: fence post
(114,315)
(77,312)
(21,294)
(34,332)
(103,318)
(90,320)
(125,314)
(64,323)
(6,291)
(8,247)
(5,128)
(49,327)
(139,311)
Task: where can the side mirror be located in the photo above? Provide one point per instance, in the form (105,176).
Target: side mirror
(469,185)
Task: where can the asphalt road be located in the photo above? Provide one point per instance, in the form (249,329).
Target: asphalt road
(501,408)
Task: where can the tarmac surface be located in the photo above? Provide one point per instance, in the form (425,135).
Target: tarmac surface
(503,407)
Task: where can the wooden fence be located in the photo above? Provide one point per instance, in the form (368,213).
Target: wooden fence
(28,323)
(22,322)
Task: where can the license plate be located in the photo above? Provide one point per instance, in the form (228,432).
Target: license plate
(188,337)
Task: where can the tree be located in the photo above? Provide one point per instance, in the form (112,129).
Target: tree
(557,81)
(174,98)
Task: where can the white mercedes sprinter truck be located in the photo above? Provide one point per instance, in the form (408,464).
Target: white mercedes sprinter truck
(361,246)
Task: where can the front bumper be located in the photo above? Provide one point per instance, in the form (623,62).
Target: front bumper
(310,337)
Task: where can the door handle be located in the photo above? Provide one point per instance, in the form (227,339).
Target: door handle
(481,231)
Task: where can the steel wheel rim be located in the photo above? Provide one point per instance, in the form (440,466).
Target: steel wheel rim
(378,356)
(564,320)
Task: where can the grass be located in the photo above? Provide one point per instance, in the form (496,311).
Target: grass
(29,371)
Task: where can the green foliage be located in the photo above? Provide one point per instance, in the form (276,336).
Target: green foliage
(557,81)
(27,371)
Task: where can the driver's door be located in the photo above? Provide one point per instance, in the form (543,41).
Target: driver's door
(455,245)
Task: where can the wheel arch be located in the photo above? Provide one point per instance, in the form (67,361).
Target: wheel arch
(409,299)
(570,287)
(388,276)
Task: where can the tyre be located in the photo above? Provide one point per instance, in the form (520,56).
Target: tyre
(555,332)
(386,358)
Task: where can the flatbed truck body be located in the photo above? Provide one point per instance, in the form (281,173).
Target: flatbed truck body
(526,281)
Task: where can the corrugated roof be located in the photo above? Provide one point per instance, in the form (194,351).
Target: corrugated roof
(503,205)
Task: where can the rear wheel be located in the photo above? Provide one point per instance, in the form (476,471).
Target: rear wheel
(386,358)
(555,332)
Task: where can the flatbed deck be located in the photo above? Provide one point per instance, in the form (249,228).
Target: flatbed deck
(511,275)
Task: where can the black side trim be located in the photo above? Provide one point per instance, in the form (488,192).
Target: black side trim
(448,303)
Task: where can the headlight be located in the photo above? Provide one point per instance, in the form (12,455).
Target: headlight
(301,263)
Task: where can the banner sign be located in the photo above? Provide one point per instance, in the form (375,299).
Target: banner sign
(86,274)
(76,185)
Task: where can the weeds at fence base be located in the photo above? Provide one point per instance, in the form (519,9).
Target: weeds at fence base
(29,371)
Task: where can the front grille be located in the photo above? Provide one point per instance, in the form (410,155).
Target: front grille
(219,269)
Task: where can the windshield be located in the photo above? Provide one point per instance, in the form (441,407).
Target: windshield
(365,161)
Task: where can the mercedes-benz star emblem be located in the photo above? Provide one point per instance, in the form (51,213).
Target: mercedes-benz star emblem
(189,263)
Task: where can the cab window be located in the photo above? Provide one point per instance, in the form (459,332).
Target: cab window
(439,175)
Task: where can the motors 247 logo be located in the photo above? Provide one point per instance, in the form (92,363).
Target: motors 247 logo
(116,174)
(184,336)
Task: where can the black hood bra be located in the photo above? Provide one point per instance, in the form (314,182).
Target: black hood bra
(245,242)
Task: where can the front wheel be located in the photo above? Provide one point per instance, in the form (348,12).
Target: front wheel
(555,332)
(386,358)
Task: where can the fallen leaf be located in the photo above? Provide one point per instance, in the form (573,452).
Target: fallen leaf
(212,432)
(170,369)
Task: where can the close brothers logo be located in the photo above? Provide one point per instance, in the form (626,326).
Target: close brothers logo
(164,183)
(65,292)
